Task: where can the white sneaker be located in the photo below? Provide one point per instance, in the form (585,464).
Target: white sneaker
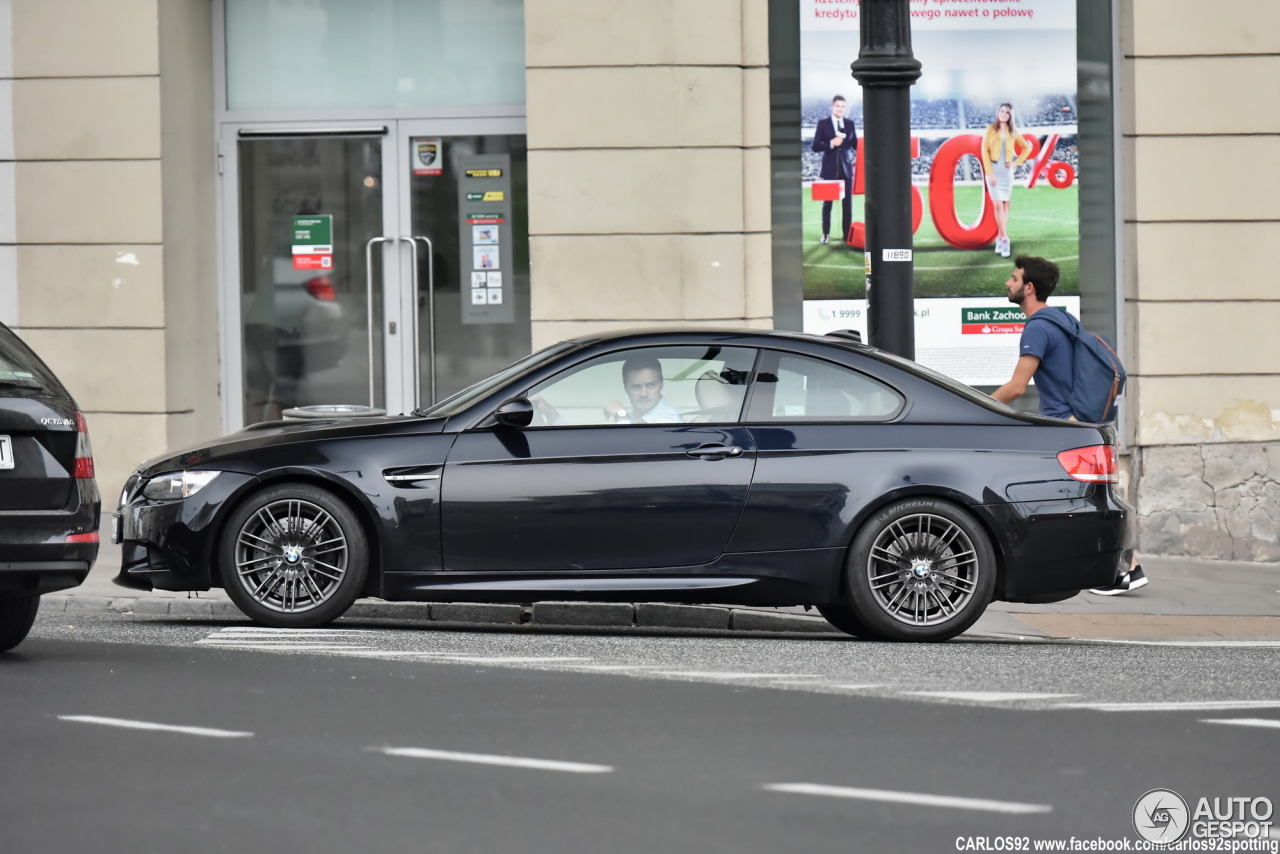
(999,244)
(1004,249)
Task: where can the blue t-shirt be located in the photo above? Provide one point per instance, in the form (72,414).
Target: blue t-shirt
(1049,343)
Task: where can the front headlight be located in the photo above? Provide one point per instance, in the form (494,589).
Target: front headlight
(179,484)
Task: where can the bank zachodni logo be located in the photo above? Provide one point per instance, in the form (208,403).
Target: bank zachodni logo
(1161,815)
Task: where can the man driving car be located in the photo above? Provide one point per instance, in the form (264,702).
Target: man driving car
(642,381)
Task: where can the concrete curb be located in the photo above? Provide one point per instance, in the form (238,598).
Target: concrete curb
(543,614)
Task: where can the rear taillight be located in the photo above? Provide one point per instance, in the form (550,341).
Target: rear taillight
(83,538)
(84,451)
(1094,464)
(322,289)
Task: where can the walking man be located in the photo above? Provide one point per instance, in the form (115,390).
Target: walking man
(1045,354)
(836,139)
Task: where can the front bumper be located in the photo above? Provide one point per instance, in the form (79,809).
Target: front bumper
(171,545)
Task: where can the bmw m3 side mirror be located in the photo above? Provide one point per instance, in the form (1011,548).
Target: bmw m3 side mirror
(516,412)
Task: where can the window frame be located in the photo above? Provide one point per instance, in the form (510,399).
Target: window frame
(742,410)
(777,355)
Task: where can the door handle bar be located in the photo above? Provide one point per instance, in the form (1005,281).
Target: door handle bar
(716,451)
(431,317)
(368,271)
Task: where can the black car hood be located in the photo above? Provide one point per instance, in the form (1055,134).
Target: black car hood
(280,433)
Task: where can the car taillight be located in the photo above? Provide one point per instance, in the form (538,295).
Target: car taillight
(83,538)
(1094,464)
(84,451)
(322,289)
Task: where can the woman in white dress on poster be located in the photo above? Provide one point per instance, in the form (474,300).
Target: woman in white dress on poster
(1003,151)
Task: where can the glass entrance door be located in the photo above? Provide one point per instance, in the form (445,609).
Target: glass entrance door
(385,266)
(465,207)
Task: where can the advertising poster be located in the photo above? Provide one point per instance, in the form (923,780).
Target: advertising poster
(977,55)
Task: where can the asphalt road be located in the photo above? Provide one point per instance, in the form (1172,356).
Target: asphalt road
(603,742)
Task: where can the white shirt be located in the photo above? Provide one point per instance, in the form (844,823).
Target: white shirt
(837,125)
(661,413)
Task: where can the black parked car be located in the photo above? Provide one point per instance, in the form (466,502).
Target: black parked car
(738,467)
(49,505)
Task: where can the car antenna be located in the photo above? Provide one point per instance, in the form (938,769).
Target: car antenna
(847,335)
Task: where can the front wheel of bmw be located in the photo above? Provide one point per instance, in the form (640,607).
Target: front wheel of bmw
(293,556)
(921,569)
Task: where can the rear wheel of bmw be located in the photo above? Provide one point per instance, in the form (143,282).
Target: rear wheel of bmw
(17,613)
(922,569)
(293,556)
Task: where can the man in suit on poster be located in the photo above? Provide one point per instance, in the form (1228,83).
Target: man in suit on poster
(836,139)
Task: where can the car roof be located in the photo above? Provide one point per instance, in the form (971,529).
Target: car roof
(744,334)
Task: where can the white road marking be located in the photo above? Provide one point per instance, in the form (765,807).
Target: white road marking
(604,668)
(711,674)
(377,653)
(252,644)
(1187,706)
(515,659)
(490,759)
(127,724)
(264,630)
(916,798)
(854,687)
(1266,723)
(1206,643)
(987,696)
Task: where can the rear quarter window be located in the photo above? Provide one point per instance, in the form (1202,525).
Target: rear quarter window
(791,387)
(20,369)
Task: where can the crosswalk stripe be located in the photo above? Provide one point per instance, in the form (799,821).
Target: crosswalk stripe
(987,696)
(1185,706)
(711,674)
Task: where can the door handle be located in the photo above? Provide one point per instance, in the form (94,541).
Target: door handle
(714,452)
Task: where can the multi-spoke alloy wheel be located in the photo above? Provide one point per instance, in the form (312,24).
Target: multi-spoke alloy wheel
(293,556)
(921,569)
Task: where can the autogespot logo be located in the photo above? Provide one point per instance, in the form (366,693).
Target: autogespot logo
(1161,816)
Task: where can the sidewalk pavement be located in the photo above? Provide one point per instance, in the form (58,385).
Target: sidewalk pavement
(1187,599)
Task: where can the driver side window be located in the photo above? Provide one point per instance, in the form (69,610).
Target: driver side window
(647,385)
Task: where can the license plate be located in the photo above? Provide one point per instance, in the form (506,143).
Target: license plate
(6,452)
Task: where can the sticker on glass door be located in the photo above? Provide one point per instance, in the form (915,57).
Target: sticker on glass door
(428,155)
(313,242)
(484,201)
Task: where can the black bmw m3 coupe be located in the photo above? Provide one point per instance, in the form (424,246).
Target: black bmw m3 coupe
(49,506)
(731,467)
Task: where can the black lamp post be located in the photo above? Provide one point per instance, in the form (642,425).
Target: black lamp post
(886,68)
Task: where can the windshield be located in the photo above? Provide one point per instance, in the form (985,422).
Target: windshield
(19,367)
(943,380)
(460,401)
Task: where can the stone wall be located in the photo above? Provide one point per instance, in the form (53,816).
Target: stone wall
(1204,360)
(649,194)
(1217,501)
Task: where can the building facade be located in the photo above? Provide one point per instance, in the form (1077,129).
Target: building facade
(214,210)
